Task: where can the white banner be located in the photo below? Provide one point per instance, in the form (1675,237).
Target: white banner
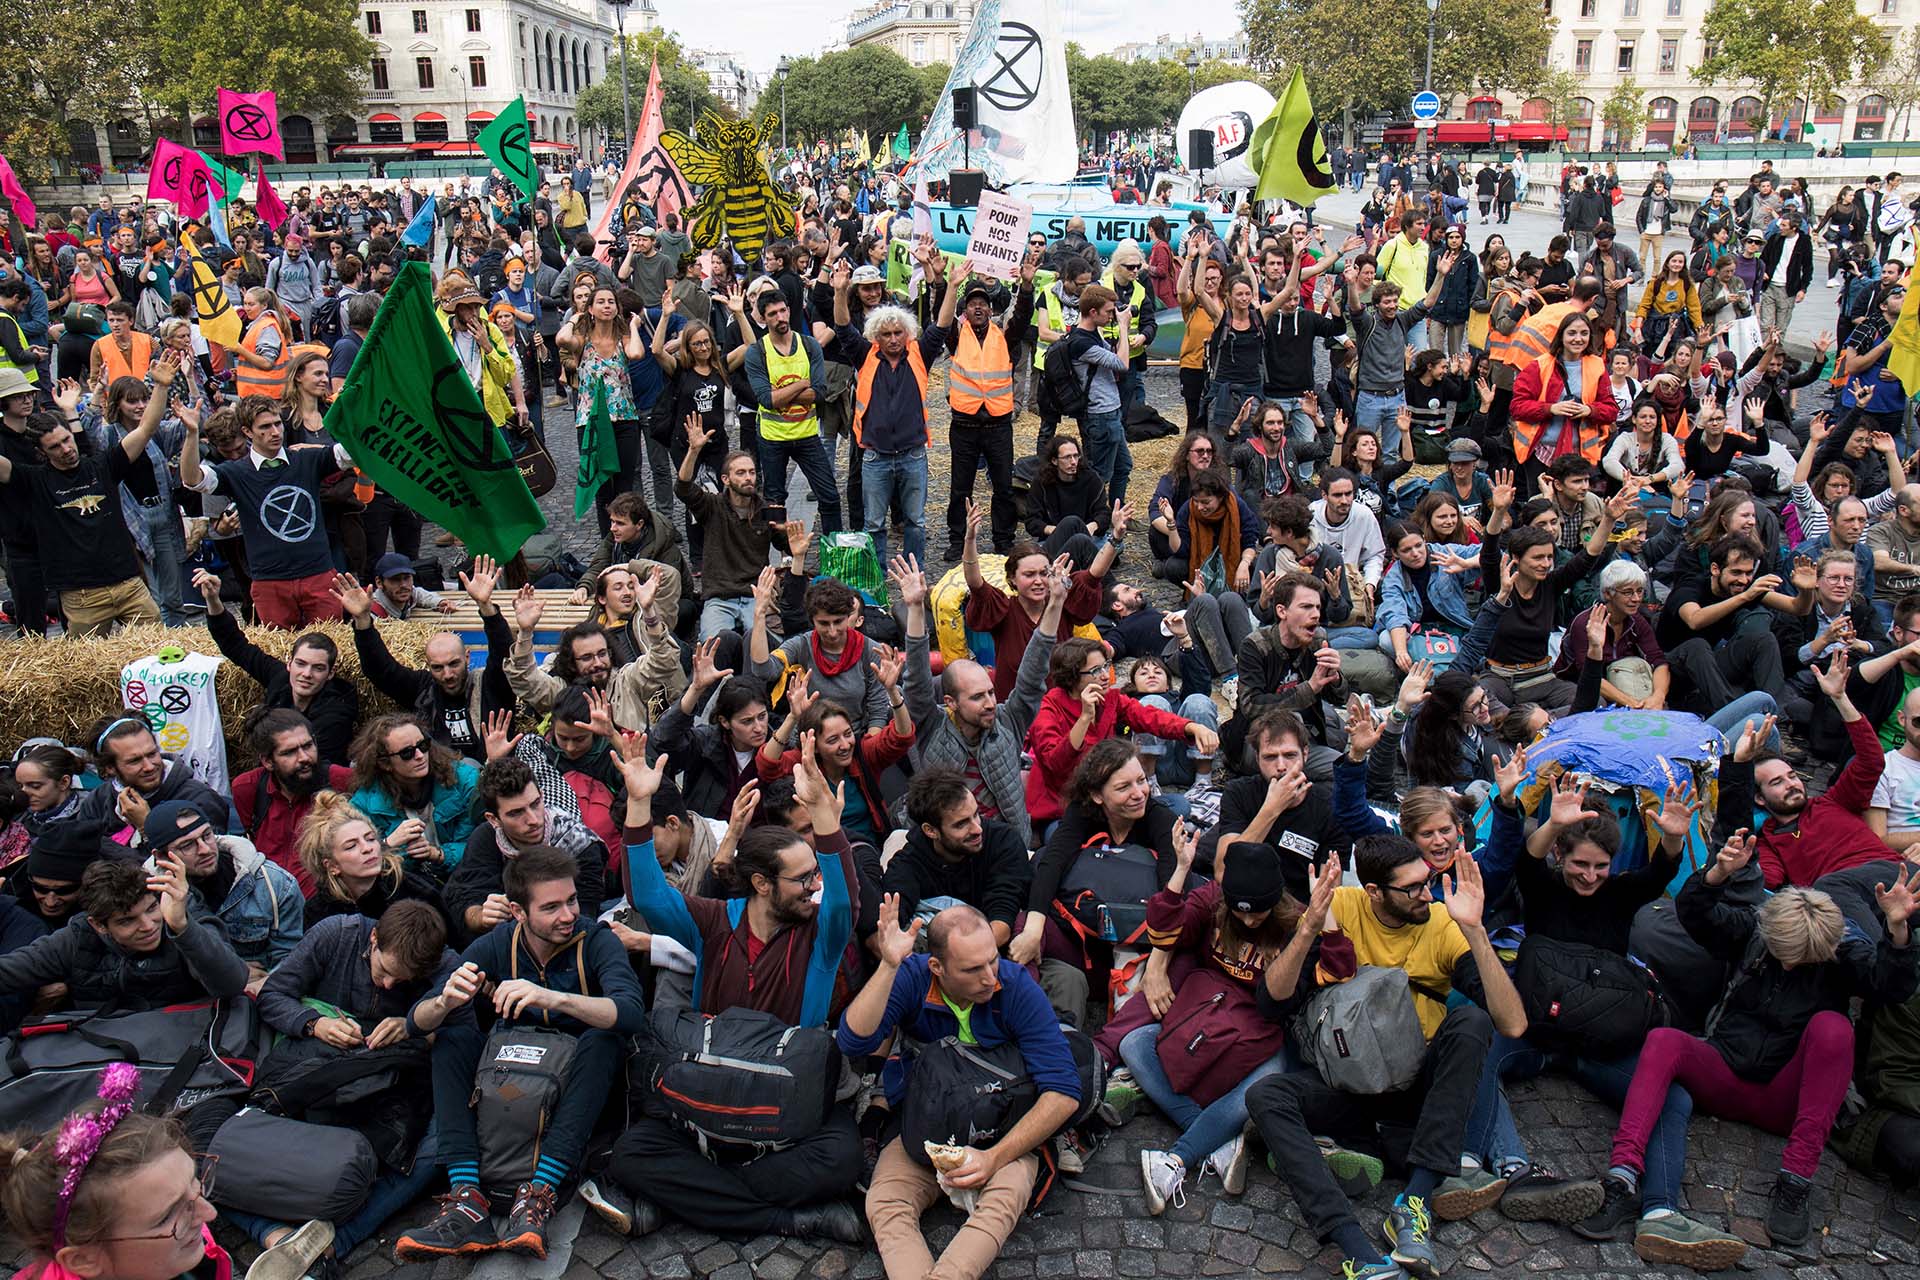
(1016,57)
(999,243)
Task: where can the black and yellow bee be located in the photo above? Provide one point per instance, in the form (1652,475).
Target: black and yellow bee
(738,199)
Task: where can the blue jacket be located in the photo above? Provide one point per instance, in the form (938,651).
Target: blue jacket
(1017,1012)
(265,913)
(453,818)
(1400,604)
(1462,287)
(592,963)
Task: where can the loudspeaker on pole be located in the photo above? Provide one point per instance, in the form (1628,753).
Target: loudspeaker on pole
(1199,149)
(963,104)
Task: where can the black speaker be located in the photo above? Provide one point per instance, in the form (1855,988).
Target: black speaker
(1199,149)
(964,187)
(963,107)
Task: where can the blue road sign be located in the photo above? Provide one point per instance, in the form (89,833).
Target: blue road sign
(1426,105)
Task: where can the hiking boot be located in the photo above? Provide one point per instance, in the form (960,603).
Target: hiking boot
(829,1220)
(1229,1160)
(1788,1220)
(1466,1193)
(464,1225)
(1355,1171)
(1619,1205)
(1678,1240)
(1381,1270)
(954,547)
(527,1221)
(1165,1179)
(611,1202)
(294,1254)
(1541,1195)
(1407,1226)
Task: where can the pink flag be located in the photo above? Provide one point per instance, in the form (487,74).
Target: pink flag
(16,195)
(250,122)
(179,174)
(651,177)
(266,201)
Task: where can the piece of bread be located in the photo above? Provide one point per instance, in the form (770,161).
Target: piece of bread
(945,1157)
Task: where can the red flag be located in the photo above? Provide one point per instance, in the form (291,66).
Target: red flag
(250,122)
(179,174)
(650,177)
(266,201)
(16,195)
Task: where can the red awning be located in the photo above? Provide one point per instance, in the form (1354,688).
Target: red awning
(425,146)
(383,117)
(1462,131)
(1536,131)
(458,149)
(1484,98)
(543,144)
(429,115)
(480,113)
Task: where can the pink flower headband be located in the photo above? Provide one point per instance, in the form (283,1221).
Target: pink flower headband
(82,1134)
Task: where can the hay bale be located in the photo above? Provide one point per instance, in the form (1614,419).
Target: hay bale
(60,688)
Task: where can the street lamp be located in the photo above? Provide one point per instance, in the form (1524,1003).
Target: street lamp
(1426,84)
(626,101)
(1192,63)
(466,111)
(782,69)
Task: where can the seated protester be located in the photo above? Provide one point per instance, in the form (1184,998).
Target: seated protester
(716,759)
(1108,802)
(1231,933)
(1465,479)
(1856,445)
(1884,1136)
(1177,765)
(1731,510)
(1818,489)
(275,797)
(781,952)
(144,943)
(581,984)
(573,762)
(1012,616)
(1275,805)
(305,681)
(1847,531)
(1067,504)
(1393,922)
(394,595)
(955,855)
(1424,587)
(1571,897)
(19,925)
(517,818)
(1440,730)
(639,540)
(47,883)
(1212,539)
(371,974)
(846,753)
(1896,552)
(47,774)
(617,607)
(1568,484)
(417,793)
(1349,525)
(1289,667)
(835,655)
(1636,673)
(961,988)
(1196,451)
(585,656)
(1646,449)
(449,699)
(972,729)
(1357,452)
(137,777)
(1719,642)
(1710,451)
(353,873)
(1780,1051)
(258,905)
(1265,465)
(1841,618)
(879,626)
(1081,708)
(1435,389)
(1894,813)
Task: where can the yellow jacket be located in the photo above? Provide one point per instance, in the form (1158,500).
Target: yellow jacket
(497,367)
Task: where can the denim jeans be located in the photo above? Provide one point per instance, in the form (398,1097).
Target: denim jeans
(1220,624)
(725,613)
(1381,414)
(1105,438)
(1201,1128)
(1176,758)
(166,568)
(1732,719)
(1227,399)
(393,1192)
(811,453)
(1492,1135)
(885,477)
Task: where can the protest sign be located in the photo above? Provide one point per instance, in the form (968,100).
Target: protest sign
(999,241)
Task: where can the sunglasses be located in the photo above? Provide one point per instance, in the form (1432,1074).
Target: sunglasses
(409,751)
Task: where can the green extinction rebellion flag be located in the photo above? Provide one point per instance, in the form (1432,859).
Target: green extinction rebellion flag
(507,143)
(415,425)
(599,457)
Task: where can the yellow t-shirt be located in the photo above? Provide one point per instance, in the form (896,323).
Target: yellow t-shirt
(1427,952)
(1194,339)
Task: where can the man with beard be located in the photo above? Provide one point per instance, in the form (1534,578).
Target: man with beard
(273,798)
(579,982)
(449,701)
(518,817)
(954,855)
(788,374)
(139,777)
(1276,806)
(781,953)
(740,528)
(304,682)
(638,692)
(258,905)
(616,597)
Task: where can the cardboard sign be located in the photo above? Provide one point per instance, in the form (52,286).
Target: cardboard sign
(999,242)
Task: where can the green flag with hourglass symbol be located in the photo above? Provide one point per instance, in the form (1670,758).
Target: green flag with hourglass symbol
(1288,150)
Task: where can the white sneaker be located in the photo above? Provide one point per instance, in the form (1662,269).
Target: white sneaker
(1833,282)
(294,1254)
(1229,1161)
(1165,1179)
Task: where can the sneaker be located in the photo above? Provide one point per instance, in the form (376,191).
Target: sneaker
(1466,1193)
(1229,1161)
(1678,1240)
(1619,1205)
(1165,1179)
(1122,1098)
(1407,1226)
(828,1220)
(464,1225)
(1071,1150)
(612,1203)
(527,1221)
(1381,1270)
(1788,1221)
(296,1252)
(1541,1195)
(1356,1171)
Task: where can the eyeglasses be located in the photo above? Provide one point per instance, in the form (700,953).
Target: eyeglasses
(409,751)
(181,1225)
(1096,672)
(1425,889)
(815,876)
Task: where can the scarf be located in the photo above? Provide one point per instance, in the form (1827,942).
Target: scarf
(848,660)
(1204,537)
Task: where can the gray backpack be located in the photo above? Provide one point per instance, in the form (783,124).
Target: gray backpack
(1363,1034)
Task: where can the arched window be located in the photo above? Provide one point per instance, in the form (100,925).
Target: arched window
(1579,124)
(297,133)
(342,129)
(1536,109)
(1870,121)
(1703,119)
(124,144)
(206,133)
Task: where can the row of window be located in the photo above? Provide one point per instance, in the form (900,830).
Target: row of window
(1625,50)
(1704,120)
(419,21)
(1631,8)
(423,73)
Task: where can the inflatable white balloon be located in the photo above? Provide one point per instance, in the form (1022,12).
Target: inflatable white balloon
(1231,112)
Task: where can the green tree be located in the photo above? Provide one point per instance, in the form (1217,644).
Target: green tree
(1899,82)
(313,55)
(867,88)
(1488,45)
(1355,51)
(1560,87)
(1786,48)
(933,82)
(684,86)
(65,62)
(1623,114)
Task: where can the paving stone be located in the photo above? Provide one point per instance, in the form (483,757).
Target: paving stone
(832,1264)
(777,1266)
(1277,1261)
(1053,1264)
(714,1257)
(1093,1262)
(1231,1217)
(672,1267)
(1238,1248)
(1143,1233)
(1135,1262)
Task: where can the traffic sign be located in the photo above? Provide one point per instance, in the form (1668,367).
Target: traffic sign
(1426,105)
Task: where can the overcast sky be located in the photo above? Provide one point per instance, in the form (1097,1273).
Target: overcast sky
(760,31)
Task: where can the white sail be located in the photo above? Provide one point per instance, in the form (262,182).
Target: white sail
(1015,55)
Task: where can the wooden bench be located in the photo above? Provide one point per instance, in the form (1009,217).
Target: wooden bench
(464,621)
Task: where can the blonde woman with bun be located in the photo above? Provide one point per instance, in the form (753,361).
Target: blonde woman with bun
(352,869)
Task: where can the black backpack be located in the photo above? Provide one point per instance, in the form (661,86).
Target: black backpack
(329,320)
(1063,392)
(1584,999)
(743,1081)
(969,1095)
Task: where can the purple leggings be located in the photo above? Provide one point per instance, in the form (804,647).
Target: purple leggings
(1800,1101)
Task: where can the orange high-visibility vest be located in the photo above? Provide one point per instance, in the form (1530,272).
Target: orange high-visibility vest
(1498,342)
(1590,440)
(1533,337)
(132,365)
(980,375)
(863,385)
(250,379)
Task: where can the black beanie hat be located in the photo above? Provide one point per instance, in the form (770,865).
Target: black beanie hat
(63,852)
(1251,881)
